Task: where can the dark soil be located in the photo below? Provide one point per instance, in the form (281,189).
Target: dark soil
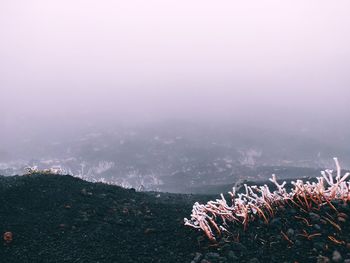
(64,219)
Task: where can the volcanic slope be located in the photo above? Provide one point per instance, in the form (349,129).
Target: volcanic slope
(59,218)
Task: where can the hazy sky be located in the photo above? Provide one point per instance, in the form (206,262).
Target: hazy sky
(286,60)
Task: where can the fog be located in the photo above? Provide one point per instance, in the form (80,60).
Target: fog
(70,65)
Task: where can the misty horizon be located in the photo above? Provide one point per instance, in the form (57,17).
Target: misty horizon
(71,68)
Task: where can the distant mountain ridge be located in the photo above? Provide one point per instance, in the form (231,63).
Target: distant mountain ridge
(158,157)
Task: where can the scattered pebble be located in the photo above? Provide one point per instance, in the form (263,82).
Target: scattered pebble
(341,219)
(317,227)
(212,255)
(290,232)
(314,217)
(336,256)
(8,237)
(322,259)
(150,231)
(197,258)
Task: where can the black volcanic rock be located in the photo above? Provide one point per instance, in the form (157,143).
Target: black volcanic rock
(65,219)
(53,218)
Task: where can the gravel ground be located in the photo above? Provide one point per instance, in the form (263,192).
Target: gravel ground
(51,218)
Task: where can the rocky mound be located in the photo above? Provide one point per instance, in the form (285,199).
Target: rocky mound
(56,218)
(53,218)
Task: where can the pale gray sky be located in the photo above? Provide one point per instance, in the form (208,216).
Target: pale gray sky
(279,60)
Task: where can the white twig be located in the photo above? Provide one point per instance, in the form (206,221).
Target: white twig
(257,199)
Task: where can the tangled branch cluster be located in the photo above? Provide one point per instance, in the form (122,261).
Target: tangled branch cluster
(52,170)
(214,217)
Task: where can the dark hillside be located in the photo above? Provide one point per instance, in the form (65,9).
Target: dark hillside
(64,219)
(55,218)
